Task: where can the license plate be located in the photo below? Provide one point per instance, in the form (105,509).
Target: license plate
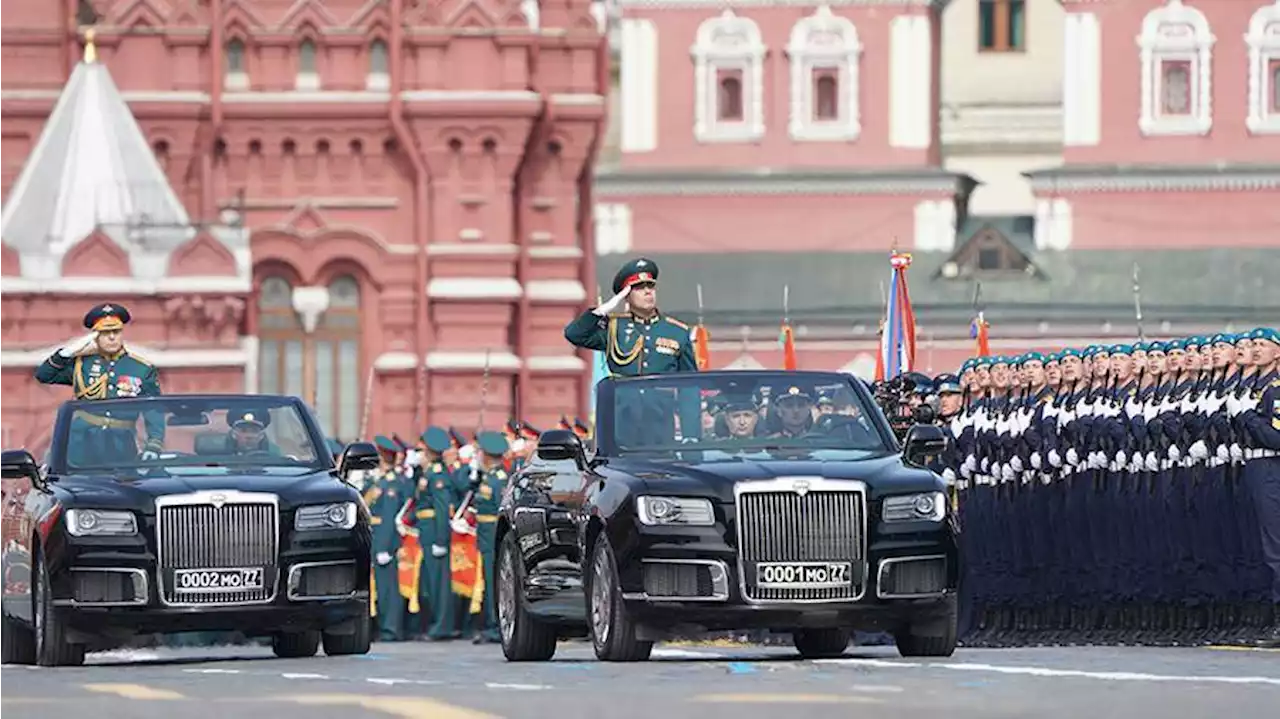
(238,579)
(804,575)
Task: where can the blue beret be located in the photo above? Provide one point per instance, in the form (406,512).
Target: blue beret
(1177,344)
(1119,350)
(493,444)
(947,383)
(1033,357)
(999,359)
(436,439)
(1070,352)
(1222,338)
(638,270)
(106,317)
(384,443)
(1157,347)
(1268,334)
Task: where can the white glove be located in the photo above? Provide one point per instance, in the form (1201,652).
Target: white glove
(518,445)
(1237,453)
(148,455)
(970,463)
(614,303)
(1222,453)
(1036,462)
(1073,459)
(1174,453)
(439,551)
(383,559)
(949,476)
(1151,463)
(1198,450)
(1122,458)
(1055,459)
(966,471)
(1015,463)
(76,346)
(985,466)
(460,526)
(413,458)
(1006,473)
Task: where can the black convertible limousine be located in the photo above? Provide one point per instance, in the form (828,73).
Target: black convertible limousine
(778,516)
(241,522)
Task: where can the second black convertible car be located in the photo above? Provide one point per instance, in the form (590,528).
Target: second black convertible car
(241,521)
(726,501)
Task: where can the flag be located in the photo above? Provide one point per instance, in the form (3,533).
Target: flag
(787,338)
(980,331)
(409,571)
(898,340)
(464,559)
(702,346)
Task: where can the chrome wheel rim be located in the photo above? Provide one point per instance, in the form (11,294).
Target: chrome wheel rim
(601,593)
(506,597)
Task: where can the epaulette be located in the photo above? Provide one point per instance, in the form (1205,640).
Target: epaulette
(676,322)
(1275,382)
(139,358)
(619,315)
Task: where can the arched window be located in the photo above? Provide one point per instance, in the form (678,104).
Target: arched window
(824,50)
(1177,78)
(338,376)
(308,78)
(378,78)
(1264,70)
(236,72)
(282,340)
(729,80)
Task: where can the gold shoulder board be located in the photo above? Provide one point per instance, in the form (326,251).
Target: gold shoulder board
(677,323)
(140,358)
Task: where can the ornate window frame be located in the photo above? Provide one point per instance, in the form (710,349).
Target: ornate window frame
(1263,39)
(728,42)
(1176,32)
(843,58)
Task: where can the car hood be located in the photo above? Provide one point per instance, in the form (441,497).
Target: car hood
(139,494)
(883,475)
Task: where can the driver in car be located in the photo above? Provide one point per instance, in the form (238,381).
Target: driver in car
(249,432)
(792,412)
(741,416)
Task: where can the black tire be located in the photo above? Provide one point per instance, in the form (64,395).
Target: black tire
(931,637)
(296,645)
(820,643)
(357,642)
(524,638)
(51,646)
(613,631)
(18,643)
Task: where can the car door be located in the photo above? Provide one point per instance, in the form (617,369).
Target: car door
(546,504)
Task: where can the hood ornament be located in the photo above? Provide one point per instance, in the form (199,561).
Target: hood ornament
(217,500)
(800,486)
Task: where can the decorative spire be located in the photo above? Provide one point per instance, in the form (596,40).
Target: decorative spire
(90,50)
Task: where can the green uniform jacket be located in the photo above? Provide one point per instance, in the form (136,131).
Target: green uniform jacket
(635,347)
(96,376)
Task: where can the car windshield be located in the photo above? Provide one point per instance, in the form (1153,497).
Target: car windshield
(161,433)
(761,414)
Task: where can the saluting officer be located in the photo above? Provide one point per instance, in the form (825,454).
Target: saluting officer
(99,366)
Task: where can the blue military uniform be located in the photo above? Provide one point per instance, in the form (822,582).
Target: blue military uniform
(1261,474)
(99,438)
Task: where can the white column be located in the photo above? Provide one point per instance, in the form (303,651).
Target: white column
(1081,80)
(910,82)
(639,85)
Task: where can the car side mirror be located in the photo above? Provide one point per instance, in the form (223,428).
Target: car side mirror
(557,445)
(19,464)
(358,455)
(923,441)
(923,414)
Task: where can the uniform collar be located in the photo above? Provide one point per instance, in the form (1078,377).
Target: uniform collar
(113,357)
(657,314)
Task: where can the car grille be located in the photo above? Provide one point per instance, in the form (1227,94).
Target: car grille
(825,522)
(685,579)
(217,530)
(912,577)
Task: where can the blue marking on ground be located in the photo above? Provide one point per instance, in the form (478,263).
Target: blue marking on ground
(741,668)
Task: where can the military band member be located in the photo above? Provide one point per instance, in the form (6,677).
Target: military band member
(99,366)
(435,497)
(489,487)
(385,496)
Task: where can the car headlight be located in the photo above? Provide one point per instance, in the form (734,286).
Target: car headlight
(686,511)
(925,507)
(101,523)
(341,515)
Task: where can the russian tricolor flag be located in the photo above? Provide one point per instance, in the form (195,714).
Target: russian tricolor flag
(898,335)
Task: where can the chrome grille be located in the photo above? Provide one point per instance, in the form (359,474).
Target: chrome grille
(808,520)
(217,530)
(908,577)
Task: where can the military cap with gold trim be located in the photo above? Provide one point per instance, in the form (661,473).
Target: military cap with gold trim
(638,270)
(106,317)
(247,419)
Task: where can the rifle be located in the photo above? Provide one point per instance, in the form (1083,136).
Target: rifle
(475,458)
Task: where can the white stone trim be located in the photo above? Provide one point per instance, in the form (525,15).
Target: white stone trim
(728,42)
(377,82)
(1081,80)
(556,253)
(717,4)
(474,288)
(638,85)
(1160,42)
(555,363)
(581,99)
(763,184)
(935,225)
(556,291)
(910,82)
(843,56)
(1156,181)
(1053,229)
(471,95)
(179,96)
(297,97)
(306,82)
(448,249)
(125,286)
(613,227)
(240,356)
(1264,48)
(236,81)
(472,361)
(395,362)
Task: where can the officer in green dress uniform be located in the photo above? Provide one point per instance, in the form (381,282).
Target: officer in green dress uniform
(99,366)
(489,486)
(385,497)
(435,495)
(641,341)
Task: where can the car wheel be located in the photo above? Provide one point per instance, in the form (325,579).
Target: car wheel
(357,642)
(613,632)
(931,637)
(51,647)
(296,645)
(820,643)
(18,642)
(524,638)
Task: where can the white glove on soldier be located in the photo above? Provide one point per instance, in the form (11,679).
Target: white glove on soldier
(460,526)
(1036,462)
(1015,463)
(1237,452)
(1122,458)
(383,559)
(76,346)
(1006,473)
(1073,458)
(1174,453)
(1055,459)
(1198,450)
(1222,453)
(614,304)
(148,455)
(949,476)
(1151,463)
(439,551)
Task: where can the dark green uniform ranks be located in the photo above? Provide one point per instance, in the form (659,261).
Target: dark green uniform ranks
(438,494)
(487,500)
(385,494)
(93,375)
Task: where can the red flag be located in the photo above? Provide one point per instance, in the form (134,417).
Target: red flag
(979,329)
(702,346)
(464,559)
(788,340)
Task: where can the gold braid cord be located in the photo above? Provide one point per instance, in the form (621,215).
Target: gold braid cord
(96,390)
(616,354)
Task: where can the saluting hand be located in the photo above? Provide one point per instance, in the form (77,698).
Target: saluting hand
(80,346)
(614,303)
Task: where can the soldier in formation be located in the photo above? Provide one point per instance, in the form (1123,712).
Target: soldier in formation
(1120,494)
